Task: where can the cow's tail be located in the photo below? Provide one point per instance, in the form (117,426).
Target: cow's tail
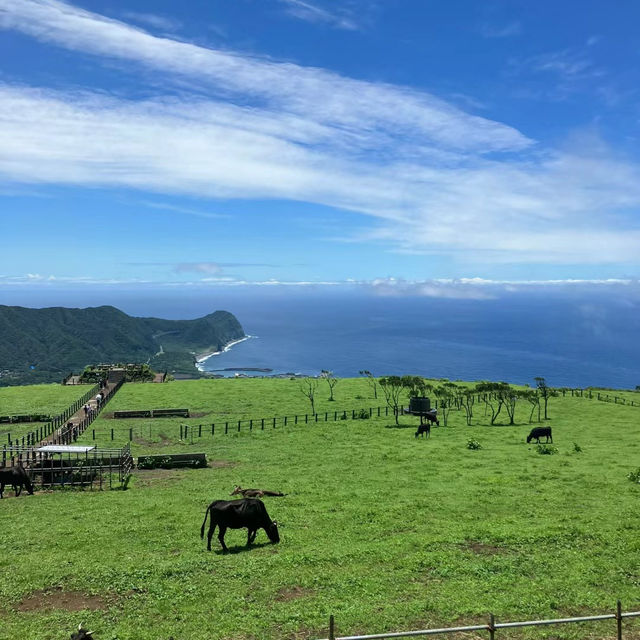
(206,513)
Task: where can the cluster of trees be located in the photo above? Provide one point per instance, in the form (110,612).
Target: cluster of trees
(497,397)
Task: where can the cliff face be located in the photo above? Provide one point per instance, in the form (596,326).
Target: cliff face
(42,345)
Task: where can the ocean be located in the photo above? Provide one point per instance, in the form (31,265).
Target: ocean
(570,336)
(575,342)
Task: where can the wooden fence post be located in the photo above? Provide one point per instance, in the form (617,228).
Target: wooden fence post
(492,626)
(332,628)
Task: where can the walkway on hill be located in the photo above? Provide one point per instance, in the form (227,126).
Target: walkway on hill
(79,421)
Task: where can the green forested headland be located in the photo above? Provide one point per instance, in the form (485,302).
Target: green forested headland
(41,345)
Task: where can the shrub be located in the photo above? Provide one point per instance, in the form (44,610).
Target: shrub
(473,444)
(363,414)
(634,476)
(146,463)
(576,447)
(546,449)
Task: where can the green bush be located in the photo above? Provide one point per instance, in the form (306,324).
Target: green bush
(576,447)
(146,463)
(363,414)
(546,449)
(634,476)
(473,444)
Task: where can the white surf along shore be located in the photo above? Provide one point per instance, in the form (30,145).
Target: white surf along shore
(203,358)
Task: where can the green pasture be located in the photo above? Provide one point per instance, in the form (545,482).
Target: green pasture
(380,529)
(50,399)
(220,401)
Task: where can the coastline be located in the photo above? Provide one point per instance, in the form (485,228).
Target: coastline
(203,357)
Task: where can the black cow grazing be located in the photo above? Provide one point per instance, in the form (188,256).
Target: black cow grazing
(17,477)
(238,514)
(422,429)
(254,493)
(82,634)
(432,417)
(539,432)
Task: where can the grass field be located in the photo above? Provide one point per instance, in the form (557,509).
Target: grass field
(50,399)
(381,529)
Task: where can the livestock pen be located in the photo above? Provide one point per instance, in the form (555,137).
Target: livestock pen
(53,466)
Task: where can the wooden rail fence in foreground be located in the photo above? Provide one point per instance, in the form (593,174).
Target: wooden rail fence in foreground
(491,626)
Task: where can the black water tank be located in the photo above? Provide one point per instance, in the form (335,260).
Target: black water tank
(419,405)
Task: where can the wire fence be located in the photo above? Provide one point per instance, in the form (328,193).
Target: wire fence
(491,626)
(190,432)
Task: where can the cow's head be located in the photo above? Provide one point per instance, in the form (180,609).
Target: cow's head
(272,532)
(26,480)
(82,634)
(236,490)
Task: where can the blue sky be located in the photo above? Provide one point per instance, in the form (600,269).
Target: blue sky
(401,145)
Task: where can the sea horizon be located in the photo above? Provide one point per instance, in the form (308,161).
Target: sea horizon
(571,338)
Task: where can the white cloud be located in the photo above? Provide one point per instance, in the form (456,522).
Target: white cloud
(306,92)
(626,290)
(311,12)
(556,207)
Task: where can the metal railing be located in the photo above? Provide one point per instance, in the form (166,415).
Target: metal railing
(492,626)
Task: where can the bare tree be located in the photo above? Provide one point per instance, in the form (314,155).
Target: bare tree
(545,393)
(467,399)
(533,397)
(492,397)
(373,382)
(308,387)
(332,381)
(446,399)
(392,387)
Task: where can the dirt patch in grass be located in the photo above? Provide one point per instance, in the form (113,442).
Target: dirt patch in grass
(198,414)
(147,477)
(221,464)
(46,599)
(483,549)
(291,593)
(164,441)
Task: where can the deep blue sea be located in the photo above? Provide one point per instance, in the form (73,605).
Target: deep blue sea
(578,342)
(572,338)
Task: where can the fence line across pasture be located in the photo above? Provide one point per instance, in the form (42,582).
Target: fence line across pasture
(492,626)
(248,424)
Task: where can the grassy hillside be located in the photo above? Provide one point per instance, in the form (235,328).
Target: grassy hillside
(50,399)
(384,531)
(45,344)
